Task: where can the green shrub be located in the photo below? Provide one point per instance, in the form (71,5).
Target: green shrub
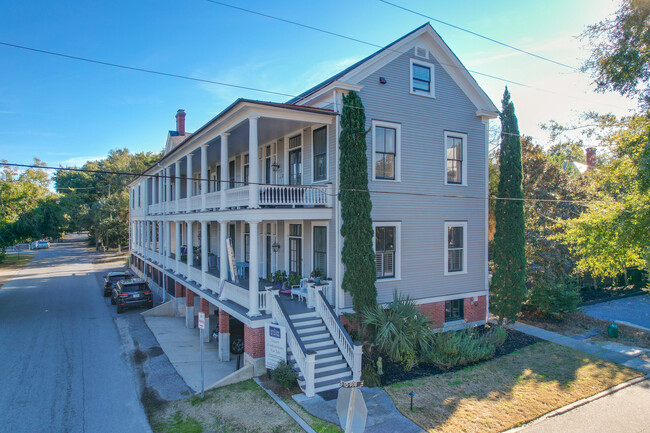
(400,329)
(456,348)
(497,336)
(370,377)
(284,375)
(556,296)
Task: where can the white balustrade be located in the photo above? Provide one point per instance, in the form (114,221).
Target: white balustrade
(289,195)
(235,293)
(212,282)
(155,208)
(213,200)
(195,274)
(351,352)
(237,197)
(196,202)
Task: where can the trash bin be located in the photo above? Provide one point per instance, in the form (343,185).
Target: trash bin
(612,330)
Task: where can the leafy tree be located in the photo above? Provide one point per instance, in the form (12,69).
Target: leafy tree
(508,287)
(358,255)
(620,59)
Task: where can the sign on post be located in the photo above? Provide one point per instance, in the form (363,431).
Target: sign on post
(201,320)
(275,344)
(351,409)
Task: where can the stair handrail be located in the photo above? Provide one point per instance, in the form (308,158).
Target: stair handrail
(351,351)
(305,358)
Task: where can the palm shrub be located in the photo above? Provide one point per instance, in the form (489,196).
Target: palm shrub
(401,331)
(466,346)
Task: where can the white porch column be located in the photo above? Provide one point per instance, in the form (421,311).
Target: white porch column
(177,182)
(177,253)
(204,175)
(168,185)
(161,185)
(224,169)
(190,245)
(204,251)
(253,165)
(154,236)
(168,238)
(223,250)
(189,181)
(253,270)
(154,189)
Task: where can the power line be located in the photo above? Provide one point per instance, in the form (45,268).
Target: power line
(306,187)
(546,59)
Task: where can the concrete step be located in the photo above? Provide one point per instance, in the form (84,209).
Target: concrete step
(320,358)
(313,335)
(305,321)
(305,329)
(296,316)
(311,344)
(329,374)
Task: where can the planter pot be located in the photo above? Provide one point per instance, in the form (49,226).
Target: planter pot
(317,280)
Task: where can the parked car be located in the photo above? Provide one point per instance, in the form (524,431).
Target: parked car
(131,293)
(236,335)
(42,244)
(112,278)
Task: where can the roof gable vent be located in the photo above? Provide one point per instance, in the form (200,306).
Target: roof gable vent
(421,52)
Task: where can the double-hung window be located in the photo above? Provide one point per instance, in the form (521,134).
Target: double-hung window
(422,78)
(246,171)
(231,174)
(454,310)
(455,248)
(386,139)
(455,158)
(385,251)
(320,248)
(320,154)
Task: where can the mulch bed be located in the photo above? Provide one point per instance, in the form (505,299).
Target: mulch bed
(591,295)
(394,372)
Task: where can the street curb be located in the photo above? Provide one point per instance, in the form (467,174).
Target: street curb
(579,403)
(301,422)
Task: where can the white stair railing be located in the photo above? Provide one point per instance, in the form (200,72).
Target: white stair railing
(351,351)
(306,359)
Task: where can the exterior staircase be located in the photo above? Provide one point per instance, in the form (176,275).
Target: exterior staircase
(330,367)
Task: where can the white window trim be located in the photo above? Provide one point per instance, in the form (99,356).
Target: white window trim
(421,47)
(463,168)
(398,247)
(445,241)
(287,254)
(327,250)
(398,149)
(285,156)
(432,91)
(313,154)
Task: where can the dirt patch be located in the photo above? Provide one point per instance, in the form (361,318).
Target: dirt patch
(589,328)
(394,372)
(241,407)
(508,391)
(151,400)
(11,264)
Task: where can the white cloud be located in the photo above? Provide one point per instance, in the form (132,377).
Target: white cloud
(78,161)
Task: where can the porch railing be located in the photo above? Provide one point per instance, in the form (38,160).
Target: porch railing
(213,199)
(306,359)
(235,293)
(237,197)
(292,195)
(196,202)
(351,352)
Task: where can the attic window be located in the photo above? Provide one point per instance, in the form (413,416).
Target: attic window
(422,78)
(421,52)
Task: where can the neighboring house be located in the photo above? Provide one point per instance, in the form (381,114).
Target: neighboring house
(266,176)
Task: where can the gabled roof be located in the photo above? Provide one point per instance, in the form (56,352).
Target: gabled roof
(442,54)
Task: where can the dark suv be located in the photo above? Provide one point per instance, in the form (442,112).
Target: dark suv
(111,279)
(131,293)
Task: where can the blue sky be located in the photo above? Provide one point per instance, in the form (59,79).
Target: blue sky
(65,112)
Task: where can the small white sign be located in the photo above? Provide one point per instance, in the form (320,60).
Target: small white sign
(275,344)
(201,320)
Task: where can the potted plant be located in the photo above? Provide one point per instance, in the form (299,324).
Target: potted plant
(278,279)
(317,274)
(294,279)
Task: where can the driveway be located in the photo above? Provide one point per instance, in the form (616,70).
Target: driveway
(64,367)
(635,310)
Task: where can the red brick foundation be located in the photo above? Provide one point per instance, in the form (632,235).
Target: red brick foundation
(189,298)
(205,306)
(254,342)
(435,311)
(475,310)
(179,290)
(224,322)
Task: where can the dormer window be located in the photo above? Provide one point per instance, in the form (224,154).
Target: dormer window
(422,75)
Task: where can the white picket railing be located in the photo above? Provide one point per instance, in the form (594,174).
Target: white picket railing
(306,359)
(195,274)
(155,208)
(292,195)
(236,294)
(181,205)
(237,197)
(213,200)
(351,352)
(196,203)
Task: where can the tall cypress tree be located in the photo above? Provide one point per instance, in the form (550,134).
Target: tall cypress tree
(508,288)
(358,255)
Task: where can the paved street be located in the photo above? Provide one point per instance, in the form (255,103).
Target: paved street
(634,310)
(623,411)
(64,368)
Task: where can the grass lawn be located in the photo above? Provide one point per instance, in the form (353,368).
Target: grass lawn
(242,407)
(508,391)
(11,263)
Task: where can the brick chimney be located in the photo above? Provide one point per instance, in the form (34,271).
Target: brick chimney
(590,157)
(180,122)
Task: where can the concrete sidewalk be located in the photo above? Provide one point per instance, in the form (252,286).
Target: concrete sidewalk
(633,357)
(182,347)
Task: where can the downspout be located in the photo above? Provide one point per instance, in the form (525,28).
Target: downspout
(337,208)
